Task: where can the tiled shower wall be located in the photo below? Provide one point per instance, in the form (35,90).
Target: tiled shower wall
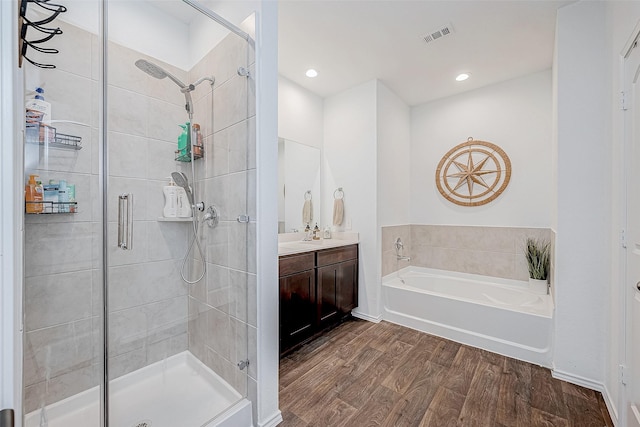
(62,252)
(222,308)
(488,251)
(147,298)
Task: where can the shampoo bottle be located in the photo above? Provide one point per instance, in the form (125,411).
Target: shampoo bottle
(199,141)
(183,140)
(33,195)
(183,206)
(39,104)
(170,200)
(63,197)
(51,195)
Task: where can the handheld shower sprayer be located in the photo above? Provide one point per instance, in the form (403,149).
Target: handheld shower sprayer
(181,181)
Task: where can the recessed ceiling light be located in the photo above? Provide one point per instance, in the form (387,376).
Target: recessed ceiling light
(311,72)
(462,77)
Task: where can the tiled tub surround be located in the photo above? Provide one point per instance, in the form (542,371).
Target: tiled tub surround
(153,313)
(487,251)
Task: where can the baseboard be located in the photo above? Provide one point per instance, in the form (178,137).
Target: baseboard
(611,407)
(577,380)
(363,316)
(593,385)
(273,421)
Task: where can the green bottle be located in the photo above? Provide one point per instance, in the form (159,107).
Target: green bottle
(183,140)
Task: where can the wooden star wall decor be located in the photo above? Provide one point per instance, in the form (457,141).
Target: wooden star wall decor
(473,173)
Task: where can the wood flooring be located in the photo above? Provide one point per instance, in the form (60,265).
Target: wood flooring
(364,374)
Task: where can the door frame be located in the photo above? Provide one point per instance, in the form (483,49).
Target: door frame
(11,213)
(625,296)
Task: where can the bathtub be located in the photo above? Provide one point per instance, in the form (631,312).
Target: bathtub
(498,315)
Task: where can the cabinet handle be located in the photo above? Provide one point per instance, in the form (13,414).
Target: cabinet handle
(125,221)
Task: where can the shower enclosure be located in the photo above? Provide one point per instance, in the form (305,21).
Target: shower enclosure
(133,319)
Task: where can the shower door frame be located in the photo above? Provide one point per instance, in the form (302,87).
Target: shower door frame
(103,183)
(11,224)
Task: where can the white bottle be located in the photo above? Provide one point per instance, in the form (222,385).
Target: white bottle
(184,207)
(170,199)
(39,104)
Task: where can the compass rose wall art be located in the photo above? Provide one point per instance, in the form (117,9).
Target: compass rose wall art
(473,173)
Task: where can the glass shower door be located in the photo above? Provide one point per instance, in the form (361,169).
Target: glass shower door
(177,141)
(166,318)
(63,244)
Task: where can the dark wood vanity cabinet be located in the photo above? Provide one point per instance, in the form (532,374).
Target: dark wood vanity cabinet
(317,291)
(297,299)
(337,284)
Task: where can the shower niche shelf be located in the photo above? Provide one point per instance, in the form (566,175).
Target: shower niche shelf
(51,208)
(163,219)
(198,153)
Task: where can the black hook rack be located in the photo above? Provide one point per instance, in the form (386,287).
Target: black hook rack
(25,23)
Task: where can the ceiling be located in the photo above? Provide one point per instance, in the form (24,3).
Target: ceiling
(351,42)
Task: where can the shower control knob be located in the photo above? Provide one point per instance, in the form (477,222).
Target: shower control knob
(638,286)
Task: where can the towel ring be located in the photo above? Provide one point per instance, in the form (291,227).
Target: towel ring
(305,195)
(338,194)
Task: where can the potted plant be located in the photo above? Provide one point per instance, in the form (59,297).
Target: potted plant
(538,253)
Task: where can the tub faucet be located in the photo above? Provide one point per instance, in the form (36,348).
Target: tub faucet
(399,247)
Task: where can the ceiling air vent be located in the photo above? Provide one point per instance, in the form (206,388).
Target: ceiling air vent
(444,30)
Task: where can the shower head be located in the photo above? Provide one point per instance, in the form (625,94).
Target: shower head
(159,73)
(181,181)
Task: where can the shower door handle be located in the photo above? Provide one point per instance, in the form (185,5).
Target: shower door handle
(125,221)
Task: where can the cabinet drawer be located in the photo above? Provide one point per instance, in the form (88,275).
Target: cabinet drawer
(296,263)
(332,256)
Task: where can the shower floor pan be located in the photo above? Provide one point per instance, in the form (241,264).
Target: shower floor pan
(178,391)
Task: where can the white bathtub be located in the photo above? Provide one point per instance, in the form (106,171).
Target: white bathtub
(498,315)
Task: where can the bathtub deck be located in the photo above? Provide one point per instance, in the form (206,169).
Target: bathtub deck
(384,374)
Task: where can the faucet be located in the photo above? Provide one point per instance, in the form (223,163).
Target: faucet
(399,247)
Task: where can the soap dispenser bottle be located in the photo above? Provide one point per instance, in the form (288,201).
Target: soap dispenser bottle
(170,199)
(39,104)
(33,195)
(316,232)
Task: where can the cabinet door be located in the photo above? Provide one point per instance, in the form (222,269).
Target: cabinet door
(297,308)
(328,284)
(347,289)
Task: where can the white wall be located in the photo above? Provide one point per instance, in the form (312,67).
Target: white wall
(350,162)
(394,145)
(516,116)
(300,114)
(584,154)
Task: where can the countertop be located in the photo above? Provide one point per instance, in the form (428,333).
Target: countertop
(292,243)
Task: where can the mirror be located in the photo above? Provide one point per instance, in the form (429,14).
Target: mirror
(298,180)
